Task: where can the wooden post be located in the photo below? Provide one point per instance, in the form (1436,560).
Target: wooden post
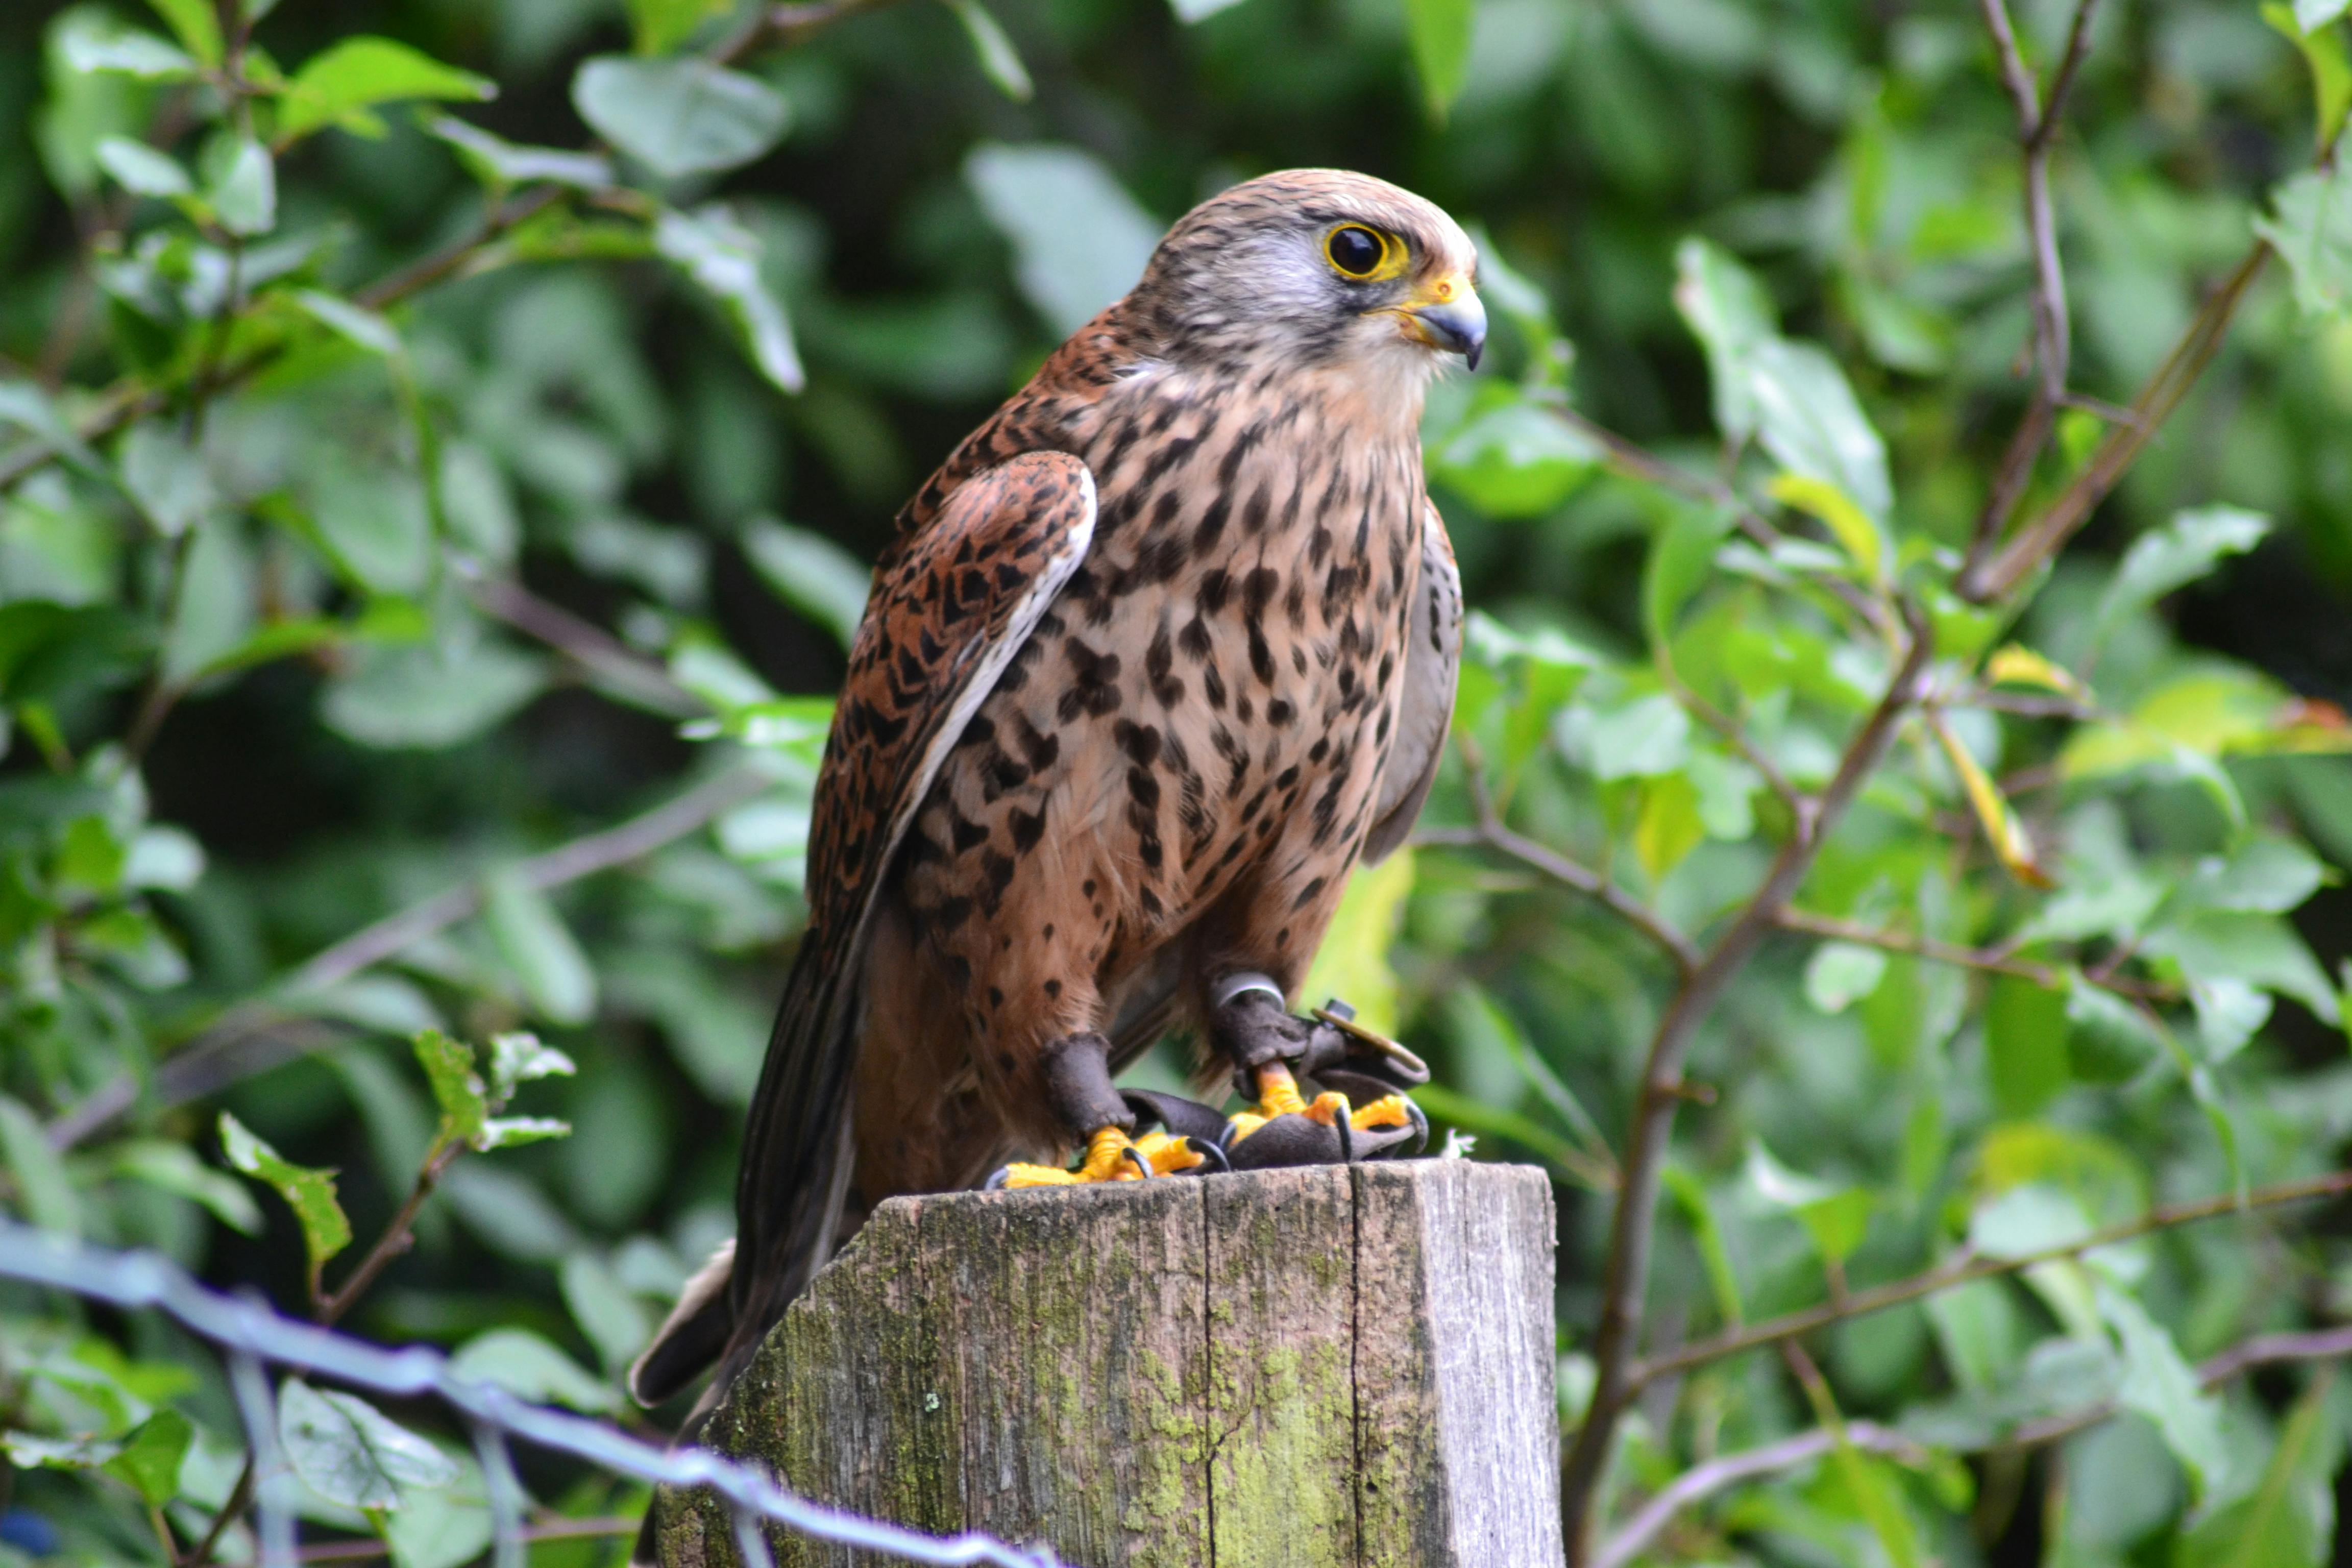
(1332,1367)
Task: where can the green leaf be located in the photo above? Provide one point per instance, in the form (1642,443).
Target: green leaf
(607,1311)
(340,84)
(197,25)
(2171,557)
(538,948)
(128,53)
(1841,973)
(2289,1519)
(2025,1046)
(311,1193)
(419,697)
(1669,826)
(44,1193)
(150,1456)
(456,1088)
(1440,32)
(362,326)
(527,1367)
(680,117)
(1731,315)
(1000,62)
(662,25)
(2109,1039)
(1978,1330)
(348,1452)
(174,1168)
(1080,241)
(1706,1231)
(1640,738)
(810,573)
(517,1057)
(1809,419)
(1837,1218)
(1354,964)
(508,1132)
(143,171)
(2162,1386)
(165,476)
(722,257)
(495,161)
(1856,534)
(1515,457)
(2321,45)
(1681,556)
(1199,10)
(2310,225)
(241,185)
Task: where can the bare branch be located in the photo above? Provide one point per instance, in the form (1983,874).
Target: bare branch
(1633,1224)
(600,851)
(1991,960)
(1967,1266)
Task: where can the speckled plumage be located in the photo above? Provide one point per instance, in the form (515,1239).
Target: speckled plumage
(1160,650)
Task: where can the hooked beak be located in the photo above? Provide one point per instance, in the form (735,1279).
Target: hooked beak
(1447,315)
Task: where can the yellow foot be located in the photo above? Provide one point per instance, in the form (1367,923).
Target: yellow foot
(1111,1156)
(1278,1096)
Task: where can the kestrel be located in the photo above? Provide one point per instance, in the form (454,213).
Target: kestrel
(1159,654)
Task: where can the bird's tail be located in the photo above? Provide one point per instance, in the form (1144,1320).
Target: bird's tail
(797,1152)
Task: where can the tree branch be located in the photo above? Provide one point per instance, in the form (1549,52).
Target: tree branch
(1700,1482)
(388,937)
(1989,579)
(1634,1223)
(621,670)
(2037,126)
(1969,1266)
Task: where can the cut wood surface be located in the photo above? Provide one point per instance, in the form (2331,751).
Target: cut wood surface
(1333,1367)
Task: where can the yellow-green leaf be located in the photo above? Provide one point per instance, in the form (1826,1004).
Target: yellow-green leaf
(310,1193)
(2018,665)
(1354,964)
(2011,843)
(1838,512)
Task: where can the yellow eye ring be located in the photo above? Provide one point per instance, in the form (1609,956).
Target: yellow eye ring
(1363,255)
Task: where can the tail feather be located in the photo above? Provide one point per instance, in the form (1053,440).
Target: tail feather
(691,1337)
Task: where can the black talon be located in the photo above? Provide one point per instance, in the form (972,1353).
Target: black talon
(1210,1152)
(1000,1181)
(1142,1164)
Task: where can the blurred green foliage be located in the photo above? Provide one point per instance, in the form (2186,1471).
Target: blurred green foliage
(439,445)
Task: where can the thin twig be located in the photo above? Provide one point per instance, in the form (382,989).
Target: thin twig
(1970,1266)
(1991,960)
(399,1235)
(1800,806)
(1633,1225)
(2032,546)
(605,658)
(1702,1481)
(2037,127)
(1492,832)
(370,946)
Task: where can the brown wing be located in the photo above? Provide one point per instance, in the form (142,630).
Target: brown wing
(953,605)
(1432,661)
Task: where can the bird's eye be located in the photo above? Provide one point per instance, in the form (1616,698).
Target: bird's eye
(1355,251)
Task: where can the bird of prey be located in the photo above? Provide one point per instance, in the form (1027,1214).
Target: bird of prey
(1161,651)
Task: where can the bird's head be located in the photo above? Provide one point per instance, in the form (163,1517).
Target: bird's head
(1320,268)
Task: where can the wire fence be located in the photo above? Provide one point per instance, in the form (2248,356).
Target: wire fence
(252,1336)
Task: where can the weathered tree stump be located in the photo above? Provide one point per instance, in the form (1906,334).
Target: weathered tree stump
(1335,1367)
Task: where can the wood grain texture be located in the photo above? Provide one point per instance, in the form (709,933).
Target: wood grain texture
(1337,1367)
